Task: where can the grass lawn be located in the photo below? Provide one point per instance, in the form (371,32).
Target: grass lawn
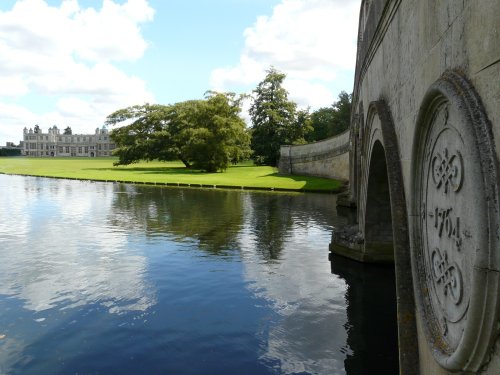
(244,174)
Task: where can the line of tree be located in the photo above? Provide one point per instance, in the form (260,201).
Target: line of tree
(206,134)
(209,134)
(10,151)
(330,121)
(276,120)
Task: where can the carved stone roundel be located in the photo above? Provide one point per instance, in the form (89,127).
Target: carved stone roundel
(455,183)
(449,197)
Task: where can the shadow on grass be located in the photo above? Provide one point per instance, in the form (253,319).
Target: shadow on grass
(246,166)
(313,183)
(165,170)
(152,170)
(309,183)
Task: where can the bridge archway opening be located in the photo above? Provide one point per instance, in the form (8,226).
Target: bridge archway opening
(379,240)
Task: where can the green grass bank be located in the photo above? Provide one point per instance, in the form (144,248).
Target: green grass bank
(244,175)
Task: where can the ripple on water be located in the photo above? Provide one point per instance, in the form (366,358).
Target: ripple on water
(109,278)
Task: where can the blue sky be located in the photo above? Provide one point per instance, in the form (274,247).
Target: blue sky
(73,62)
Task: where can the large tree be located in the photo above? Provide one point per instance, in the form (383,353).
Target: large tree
(147,135)
(206,134)
(275,119)
(218,135)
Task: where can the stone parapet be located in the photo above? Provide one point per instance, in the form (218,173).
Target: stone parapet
(328,158)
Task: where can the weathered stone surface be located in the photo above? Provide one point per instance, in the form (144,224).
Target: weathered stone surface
(456,260)
(328,158)
(426,107)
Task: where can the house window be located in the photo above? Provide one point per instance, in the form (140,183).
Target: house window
(67,149)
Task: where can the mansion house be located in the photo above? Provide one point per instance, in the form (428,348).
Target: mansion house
(53,143)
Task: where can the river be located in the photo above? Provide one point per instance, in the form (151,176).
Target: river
(106,278)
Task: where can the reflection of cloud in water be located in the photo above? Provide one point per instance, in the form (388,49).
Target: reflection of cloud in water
(63,255)
(11,349)
(310,334)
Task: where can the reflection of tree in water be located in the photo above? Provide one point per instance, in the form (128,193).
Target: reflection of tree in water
(215,217)
(271,220)
(212,217)
(274,216)
(371,312)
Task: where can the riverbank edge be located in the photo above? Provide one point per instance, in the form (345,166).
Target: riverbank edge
(194,185)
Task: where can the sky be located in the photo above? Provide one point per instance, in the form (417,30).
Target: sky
(74,62)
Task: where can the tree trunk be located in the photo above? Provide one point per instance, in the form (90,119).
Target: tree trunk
(186,163)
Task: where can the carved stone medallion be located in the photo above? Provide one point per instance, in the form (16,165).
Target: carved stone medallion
(455,233)
(450,196)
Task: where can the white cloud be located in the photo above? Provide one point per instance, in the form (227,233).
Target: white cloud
(12,86)
(295,287)
(68,53)
(99,267)
(309,93)
(312,41)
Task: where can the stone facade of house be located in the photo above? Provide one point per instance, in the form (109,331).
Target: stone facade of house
(53,143)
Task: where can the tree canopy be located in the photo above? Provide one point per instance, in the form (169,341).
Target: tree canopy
(330,121)
(205,134)
(275,119)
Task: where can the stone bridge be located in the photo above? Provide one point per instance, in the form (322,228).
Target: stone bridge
(328,158)
(424,175)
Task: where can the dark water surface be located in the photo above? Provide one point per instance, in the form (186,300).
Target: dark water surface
(101,278)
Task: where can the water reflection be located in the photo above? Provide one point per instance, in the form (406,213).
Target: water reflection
(120,278)
(290,272)
(371,311)
(213,218)
(57,256)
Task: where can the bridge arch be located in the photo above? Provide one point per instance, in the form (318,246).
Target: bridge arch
(378,219)
(384,179)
